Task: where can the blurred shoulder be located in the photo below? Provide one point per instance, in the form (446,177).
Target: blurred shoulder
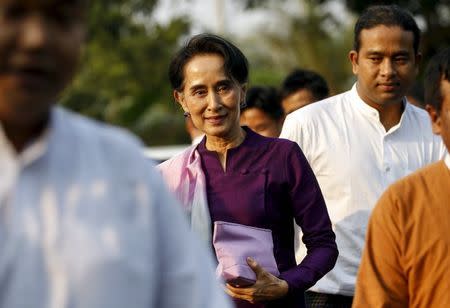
(89,129)
(103,143)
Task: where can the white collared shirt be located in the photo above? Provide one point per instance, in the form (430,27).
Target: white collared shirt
(11,162)
(354,160)
(90,224)
(447,160)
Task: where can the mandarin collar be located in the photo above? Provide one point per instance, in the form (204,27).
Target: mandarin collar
(35,149)
(371,112)
(248,140)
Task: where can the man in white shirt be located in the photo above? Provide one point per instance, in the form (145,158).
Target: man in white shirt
(84,219)
(362,140)
(405,262)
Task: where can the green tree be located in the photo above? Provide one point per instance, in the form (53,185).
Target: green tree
(311,38)
(311,44)
(123,78)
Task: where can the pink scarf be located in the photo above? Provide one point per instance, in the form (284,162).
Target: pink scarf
(184,177)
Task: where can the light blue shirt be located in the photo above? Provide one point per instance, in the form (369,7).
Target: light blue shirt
(86,222)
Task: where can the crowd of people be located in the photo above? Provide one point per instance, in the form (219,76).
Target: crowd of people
(293,197)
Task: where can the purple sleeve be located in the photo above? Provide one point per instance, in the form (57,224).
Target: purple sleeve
(311,215)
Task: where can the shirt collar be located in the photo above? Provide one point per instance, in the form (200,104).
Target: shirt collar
(362,106)
(32,151)
(447,160)
(368,110)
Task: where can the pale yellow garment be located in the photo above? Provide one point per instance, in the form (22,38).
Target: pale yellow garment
(406,261)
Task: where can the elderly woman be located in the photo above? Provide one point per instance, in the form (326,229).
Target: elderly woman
(263,112)
(237,176)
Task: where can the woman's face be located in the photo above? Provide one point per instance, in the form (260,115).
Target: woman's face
(210,96)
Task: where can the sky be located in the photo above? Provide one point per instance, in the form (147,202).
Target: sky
(237,21)
(204,15)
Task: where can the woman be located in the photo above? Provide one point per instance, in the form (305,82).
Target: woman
(263,112)
(238,176)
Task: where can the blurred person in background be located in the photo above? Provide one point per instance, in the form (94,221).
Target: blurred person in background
(415,94)
(85,221)
(262,111)
(362,140)
(406,258)
(238,176)
(195,134)
(302,87)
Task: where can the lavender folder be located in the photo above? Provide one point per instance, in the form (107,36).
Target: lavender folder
(234,243)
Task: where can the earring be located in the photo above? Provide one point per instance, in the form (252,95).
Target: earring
(186,114)
(243,104)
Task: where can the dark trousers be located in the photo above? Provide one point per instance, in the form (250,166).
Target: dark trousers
(323,300)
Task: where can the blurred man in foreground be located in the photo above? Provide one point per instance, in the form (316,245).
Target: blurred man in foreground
(83,222)
(405,261)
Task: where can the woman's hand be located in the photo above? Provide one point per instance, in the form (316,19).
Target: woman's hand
(267,287)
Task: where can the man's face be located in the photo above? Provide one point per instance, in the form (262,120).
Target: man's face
(441,120)
(40,42)
(385,64)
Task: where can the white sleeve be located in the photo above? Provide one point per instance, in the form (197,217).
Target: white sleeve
(295,129)
(186,267)
(443,152)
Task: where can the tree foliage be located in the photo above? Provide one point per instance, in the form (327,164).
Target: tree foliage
(310,38)
(123,79)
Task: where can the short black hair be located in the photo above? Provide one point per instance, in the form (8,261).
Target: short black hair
(265,98)
(416,92)
(386,15)
(300,79)
(236,64)
(438,69)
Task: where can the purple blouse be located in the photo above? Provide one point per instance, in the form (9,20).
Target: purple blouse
(268,183)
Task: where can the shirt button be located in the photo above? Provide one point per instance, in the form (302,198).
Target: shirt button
(388,169)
